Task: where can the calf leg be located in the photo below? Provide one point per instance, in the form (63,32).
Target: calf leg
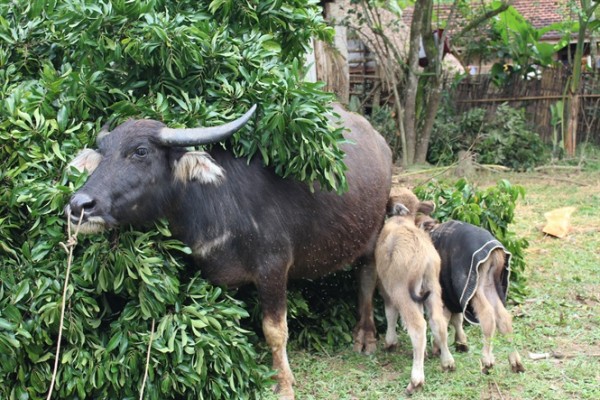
(502,316)
(504,321)
(412,315)
(460,337)
(391,317)
(364,332)
(485,312)
(439,329)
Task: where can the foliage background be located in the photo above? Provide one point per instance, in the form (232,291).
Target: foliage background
(66,69)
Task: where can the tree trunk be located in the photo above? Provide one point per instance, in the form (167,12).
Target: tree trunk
(433,103)
(431,85)
(585,16)
(571,136)
(410,97)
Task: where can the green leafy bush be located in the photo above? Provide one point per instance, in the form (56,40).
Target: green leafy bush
(453,133)
(508,141)
(68,67)
(503,138)
(493,209)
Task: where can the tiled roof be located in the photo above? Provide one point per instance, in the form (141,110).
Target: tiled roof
(539,13)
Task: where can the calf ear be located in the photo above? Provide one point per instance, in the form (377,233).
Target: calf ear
(198,166)
(426,223)
(426,207)
(87,160)
(400,209)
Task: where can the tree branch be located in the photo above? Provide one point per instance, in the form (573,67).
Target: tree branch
(482,18)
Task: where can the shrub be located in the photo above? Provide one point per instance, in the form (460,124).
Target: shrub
(68,67)
(508,141)
(503,139)
(492,209)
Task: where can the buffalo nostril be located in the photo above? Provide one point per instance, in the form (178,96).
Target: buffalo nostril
(81,203)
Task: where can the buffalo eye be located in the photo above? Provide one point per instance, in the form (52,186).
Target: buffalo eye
(140,152)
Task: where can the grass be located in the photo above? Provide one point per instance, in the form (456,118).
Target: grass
(560,318)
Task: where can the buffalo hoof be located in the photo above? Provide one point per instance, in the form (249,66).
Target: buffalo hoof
(461,347)
(284,393)
(365,342)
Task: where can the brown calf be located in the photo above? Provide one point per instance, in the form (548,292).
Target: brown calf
(408,270)
(474,280)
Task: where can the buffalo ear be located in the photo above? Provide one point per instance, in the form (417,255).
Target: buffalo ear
(426,207)
(198,166)
(87,160)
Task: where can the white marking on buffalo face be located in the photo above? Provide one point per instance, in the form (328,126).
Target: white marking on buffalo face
(198,166)
(86,160)
(91,226)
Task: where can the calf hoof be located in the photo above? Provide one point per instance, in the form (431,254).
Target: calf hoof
(486,368)
(413,387)
(461,347)
(390,347)
(517,368)
(449,366)
(515,363)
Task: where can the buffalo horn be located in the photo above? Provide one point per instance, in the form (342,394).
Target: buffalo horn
(204,135)
(102,134)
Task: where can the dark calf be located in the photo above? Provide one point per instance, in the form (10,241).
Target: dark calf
(474,280)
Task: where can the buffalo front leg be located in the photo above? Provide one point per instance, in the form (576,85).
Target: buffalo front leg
(275,329)
(364,332)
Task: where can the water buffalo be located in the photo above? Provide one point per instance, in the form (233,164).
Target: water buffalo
(244,223)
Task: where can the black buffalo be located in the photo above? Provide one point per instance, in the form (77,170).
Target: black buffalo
(244,223)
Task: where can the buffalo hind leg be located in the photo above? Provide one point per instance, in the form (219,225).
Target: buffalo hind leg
(275,329)
(364,332)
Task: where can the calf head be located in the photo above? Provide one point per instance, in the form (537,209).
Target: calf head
(409,200)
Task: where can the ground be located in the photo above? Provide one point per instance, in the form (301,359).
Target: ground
(557,328)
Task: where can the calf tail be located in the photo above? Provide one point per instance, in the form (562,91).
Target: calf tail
(415,297)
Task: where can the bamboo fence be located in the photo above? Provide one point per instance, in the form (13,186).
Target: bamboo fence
(535,96)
